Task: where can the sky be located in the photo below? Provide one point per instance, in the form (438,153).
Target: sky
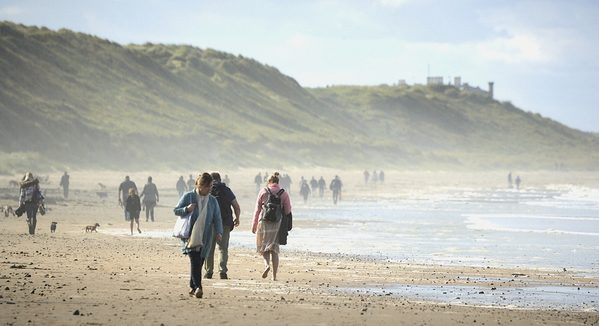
(541,55)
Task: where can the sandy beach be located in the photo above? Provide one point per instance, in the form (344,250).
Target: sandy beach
(75,278)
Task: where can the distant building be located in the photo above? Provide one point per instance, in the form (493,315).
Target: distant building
(434,80)
(477,90)
(401,82)
(491,89)
(457,82)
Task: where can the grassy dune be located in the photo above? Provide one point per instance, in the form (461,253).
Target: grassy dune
(74,100)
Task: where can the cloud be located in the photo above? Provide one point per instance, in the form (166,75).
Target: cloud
(542,32)
(521,48)
(12,11)
(392,3)
(299,41)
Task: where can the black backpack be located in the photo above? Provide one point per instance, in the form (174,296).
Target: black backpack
(272,209)
(223,203)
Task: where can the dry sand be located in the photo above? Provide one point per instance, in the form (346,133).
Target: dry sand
(72,277)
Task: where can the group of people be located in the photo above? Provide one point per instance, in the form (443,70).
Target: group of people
(374,178)
(212,204)
(215,213)
(510,184)
(306,188)
(131,201)
(284,181)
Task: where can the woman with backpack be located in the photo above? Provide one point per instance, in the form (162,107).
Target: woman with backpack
(272,204)
(30,199)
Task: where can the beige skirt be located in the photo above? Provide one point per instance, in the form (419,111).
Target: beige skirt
(267,237)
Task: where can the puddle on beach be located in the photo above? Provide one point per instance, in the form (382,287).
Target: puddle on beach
(544,297)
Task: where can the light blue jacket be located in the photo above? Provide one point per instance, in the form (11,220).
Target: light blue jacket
(213,220)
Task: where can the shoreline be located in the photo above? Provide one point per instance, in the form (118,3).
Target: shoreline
(111,279)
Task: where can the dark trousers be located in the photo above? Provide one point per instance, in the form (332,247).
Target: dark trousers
(31,209)
(150,209)
(124,202)
(335,196)
(196,269)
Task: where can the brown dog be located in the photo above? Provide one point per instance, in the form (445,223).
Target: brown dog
(92,228)
(53,227)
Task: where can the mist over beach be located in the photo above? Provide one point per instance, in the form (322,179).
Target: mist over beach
(461,240)
(440,161)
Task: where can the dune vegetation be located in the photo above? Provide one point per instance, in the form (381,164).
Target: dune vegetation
(71,100)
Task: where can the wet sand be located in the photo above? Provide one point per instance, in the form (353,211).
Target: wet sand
(72,277)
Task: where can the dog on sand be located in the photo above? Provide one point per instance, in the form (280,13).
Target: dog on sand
(53,227)
(8,210)
(92,228)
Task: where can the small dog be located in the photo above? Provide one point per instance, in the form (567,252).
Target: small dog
(53,227)
(92,228)
(8,210)
(13,183)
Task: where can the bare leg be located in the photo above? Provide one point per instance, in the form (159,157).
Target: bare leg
(137,222)
(131,222)
(275,265)
(266,256)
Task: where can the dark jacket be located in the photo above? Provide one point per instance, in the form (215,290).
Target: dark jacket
(150,192)
(133,204)
(286,225)
(225,197)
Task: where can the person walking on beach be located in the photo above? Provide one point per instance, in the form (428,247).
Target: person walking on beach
(64,183)
(335,186)
(509,180)
(205,222)
(321,185)
(258,181)
(226,199)
(181,186)
(30,199)
(151,197)
(266,230)
(366,176)
(375,177)
(285,182)
(313,184)
(304,190)
(191,183)
(518,182)
(133,207)
(124,189)
(382,177)
(227,181)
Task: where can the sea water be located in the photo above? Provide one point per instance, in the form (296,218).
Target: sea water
(547,229)
(553,229)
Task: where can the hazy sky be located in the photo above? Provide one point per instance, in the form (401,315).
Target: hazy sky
(542,55)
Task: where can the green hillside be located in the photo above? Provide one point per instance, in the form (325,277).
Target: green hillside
(73,100)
